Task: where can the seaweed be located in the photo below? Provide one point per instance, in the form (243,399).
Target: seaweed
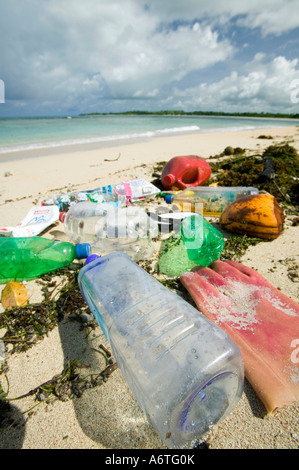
(156,174)
(246,171)
(28,324)
(233,151)
(236,245)
(236,172)
(25,325)
(67,385)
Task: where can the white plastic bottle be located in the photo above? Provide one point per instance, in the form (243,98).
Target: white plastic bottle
(185,372)
(108,228)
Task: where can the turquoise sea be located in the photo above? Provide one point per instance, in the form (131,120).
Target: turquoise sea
(25,134)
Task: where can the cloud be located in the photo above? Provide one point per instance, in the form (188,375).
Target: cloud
(71,56)
(275,17)
(148,63)
(270,16)
(68,45)
(263,89)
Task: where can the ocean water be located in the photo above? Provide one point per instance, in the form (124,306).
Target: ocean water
(24,134)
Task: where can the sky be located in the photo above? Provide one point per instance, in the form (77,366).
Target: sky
(66,57)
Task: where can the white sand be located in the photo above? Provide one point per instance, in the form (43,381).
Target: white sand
(108,417)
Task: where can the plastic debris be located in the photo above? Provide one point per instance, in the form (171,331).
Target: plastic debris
(261,320)
(119,195)
(107,228)
(258,215)
(207,200)
(184,171)
(173,257)
(14,294)
(185,372)
(204,243)
(35,222)
(30,257)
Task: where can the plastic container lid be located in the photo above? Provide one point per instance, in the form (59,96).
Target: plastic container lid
(168,198)
(83,250)
(91,258)
(62,216)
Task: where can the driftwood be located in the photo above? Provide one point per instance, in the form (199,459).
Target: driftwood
(112,159)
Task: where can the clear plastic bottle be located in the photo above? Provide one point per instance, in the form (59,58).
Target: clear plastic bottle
(109,229)
(119,195)
(185,372)
(66,201)
(27,258)
(208,200)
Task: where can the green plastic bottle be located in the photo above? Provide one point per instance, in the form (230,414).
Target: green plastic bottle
(204,243)
(27,258)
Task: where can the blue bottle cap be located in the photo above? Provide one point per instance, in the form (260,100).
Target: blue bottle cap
(83,250)
(91,258)
(168,198)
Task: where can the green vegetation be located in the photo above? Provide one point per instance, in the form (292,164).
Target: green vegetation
(199,113)
(67,385)
(240,170)
(24,326)
(236,245)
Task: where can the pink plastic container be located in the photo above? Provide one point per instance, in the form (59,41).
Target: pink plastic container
(182,172)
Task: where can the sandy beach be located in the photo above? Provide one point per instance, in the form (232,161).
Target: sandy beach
(108,416)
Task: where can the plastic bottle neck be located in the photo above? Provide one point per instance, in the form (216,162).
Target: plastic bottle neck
(168,180)
(168,198)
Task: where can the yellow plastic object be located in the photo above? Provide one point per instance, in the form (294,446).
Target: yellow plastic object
(258,215)
(14,294)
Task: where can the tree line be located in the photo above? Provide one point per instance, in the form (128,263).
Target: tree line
(200,113)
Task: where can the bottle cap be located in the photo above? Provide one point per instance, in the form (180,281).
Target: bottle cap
(62,216)
(168,180)
(91,258)
(83,250)
(168,198)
